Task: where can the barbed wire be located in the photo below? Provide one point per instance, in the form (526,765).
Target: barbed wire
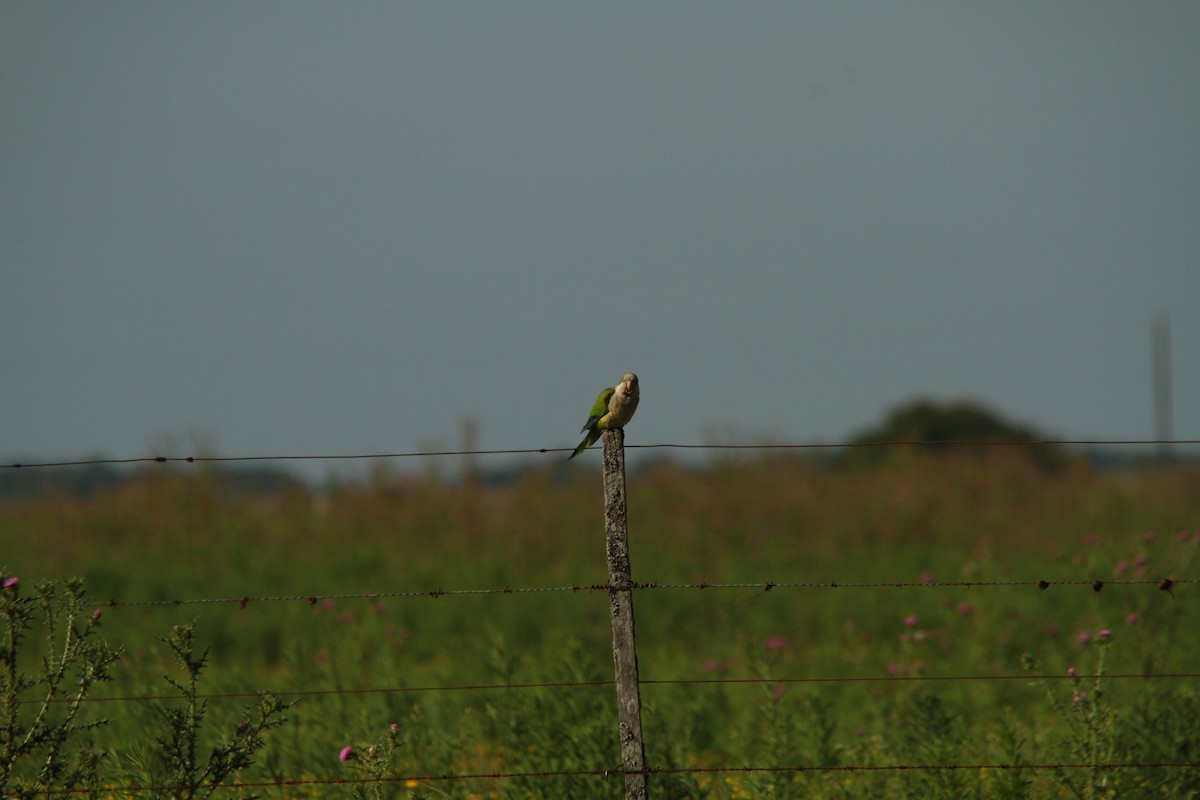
(657,446)
(244,601)
(619,772)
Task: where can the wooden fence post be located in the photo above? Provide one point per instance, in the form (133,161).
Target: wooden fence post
(620,601)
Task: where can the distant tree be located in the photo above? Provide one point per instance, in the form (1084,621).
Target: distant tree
(936,425)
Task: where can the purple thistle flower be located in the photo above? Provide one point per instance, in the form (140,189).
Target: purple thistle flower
(346,754)
(1104,635)
(911,621)
(777,643)
(11,582)
(1072,672)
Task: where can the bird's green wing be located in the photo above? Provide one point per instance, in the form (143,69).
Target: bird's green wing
(599,409)
(592,426)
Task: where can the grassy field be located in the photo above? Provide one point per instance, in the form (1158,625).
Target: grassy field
(927,521)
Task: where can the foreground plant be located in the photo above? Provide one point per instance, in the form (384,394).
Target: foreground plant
(45,743)
(187,774)
(1090,724)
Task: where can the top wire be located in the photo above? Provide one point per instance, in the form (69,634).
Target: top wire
(660,446)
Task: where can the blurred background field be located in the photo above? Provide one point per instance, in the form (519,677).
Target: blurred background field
(924,519)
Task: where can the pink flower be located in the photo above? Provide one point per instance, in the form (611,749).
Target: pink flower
(1141,559)
(964,609)
(1132,617)
(911,621)
(1083,638)
(1079,698)
(1121,566)
(777,643)
(322,656)
(1072,672)
(1052,630)
(346,754)
(11,582)
(1104,635)
(1090,539)
(927,576)
(394,726)
(96,617)
(1149,536)
(1183,536)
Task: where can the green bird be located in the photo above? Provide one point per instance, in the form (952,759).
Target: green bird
(614,408)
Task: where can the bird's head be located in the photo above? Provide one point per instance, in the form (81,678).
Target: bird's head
(629,384)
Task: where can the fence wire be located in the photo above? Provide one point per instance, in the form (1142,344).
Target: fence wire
(658,446)
(619,772)
(245,601)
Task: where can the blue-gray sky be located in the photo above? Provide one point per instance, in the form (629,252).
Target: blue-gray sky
(307,227)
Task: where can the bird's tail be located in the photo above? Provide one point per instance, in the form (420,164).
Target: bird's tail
(587,442)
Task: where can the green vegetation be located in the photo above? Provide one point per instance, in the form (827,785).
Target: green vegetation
(927,519)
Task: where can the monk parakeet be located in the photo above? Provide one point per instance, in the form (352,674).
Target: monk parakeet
(614,408)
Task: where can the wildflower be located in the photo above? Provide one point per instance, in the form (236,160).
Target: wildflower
(1132,617)
(1072,672)
(1183,536)
(777,643)
(1149,536)
(964,608)
(911,621)
(849,625)
(11,582)
(322,656)
(1083,638)
(394,726)
(1104,635)
(892,668)
(346,754)
(1141,559)
(1052,630)
(1121,566)
(926,576)
(1079,698)
(96,617)
(1089,539)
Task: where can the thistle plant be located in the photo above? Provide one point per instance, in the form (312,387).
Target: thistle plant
(186,773)
(1091,739)
(45,739)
